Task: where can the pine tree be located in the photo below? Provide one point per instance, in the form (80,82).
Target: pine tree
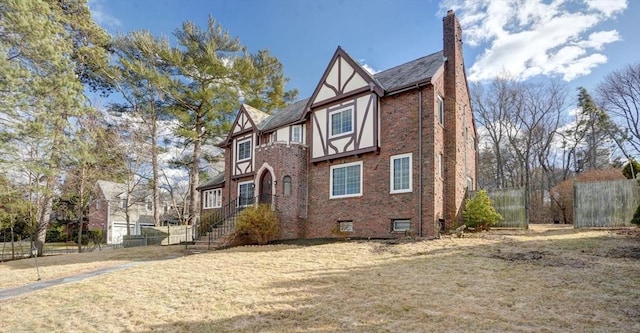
(46,48)
(211,72)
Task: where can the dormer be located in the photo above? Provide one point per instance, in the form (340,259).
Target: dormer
(242,140)
(344,110)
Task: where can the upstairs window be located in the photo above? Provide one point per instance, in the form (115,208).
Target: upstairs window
(401,173)
(440,110)
(341,122)
(296,133)
(244,150)
(346,180)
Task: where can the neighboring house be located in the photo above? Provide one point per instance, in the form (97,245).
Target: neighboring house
(378,156)
(107,211)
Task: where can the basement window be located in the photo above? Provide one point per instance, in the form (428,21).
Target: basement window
(401,225)
(346,226)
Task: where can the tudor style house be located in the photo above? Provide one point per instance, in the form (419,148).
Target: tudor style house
(380,156)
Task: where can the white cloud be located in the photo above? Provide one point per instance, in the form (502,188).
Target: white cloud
(536,37)
(100,15)
(367,67)
(607,7)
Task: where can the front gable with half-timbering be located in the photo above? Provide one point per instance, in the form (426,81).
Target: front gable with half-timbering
(242,140)
(344,110)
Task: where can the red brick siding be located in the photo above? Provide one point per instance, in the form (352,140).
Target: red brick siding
(286,160)
(98,212)
(460,160)
(373,212)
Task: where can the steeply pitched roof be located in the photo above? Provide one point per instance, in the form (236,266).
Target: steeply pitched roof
(111,190)
(395,78)
(410,73)
(256,115)
(289,114)
(214,182)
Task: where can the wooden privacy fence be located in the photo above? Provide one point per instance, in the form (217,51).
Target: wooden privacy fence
(511,204)
(605,204)
(160,235)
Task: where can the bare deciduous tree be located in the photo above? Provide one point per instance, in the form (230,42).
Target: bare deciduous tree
(619,95)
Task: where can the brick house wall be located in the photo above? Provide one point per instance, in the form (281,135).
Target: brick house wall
(286,160)
(443,160)
(98,212)
(373,213)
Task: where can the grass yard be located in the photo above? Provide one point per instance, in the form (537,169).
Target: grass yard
(546,279)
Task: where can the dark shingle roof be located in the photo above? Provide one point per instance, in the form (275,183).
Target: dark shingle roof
(410,73)
(212,183)
(288,115)
(405,75)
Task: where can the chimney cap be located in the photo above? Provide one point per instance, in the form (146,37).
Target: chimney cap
(450,12)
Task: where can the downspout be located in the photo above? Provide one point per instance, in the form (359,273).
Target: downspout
(419,159)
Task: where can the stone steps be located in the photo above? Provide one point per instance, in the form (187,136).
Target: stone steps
(203,245)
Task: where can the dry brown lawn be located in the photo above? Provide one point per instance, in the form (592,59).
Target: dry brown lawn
(546,279)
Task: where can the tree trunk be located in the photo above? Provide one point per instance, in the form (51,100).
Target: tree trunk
(156,173)
(13,249)
(81,209)
(195,173)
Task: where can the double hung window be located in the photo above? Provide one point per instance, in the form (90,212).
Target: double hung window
(346,180)
(401,179)
(341,122)
(244,150)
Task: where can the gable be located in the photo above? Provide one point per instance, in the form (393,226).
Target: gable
(247,120)
(343,77)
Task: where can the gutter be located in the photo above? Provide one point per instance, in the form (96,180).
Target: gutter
(420,215)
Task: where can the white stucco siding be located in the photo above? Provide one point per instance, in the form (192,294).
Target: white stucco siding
(343,78)
(366,124)
(363,135)
(283,134)
(341,145)
(244,166)
(239,126)
(318,123)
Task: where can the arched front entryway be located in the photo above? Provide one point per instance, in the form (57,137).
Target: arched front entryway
(266,185)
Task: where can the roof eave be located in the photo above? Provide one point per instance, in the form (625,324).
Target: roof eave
(410,86)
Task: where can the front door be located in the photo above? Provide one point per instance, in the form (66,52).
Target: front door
(265,188)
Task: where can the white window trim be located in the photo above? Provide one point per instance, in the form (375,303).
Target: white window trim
(216,201)
(359,194)
(391,169)
(293,131)
(238,143)
(403,221)
(331,113)
(238,193)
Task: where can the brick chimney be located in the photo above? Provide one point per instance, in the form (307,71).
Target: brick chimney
(457,116)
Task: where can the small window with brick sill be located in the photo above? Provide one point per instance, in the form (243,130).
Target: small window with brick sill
(401,225)
(345,226)
(440,110)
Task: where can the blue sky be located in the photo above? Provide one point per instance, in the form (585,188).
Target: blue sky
(578,41)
